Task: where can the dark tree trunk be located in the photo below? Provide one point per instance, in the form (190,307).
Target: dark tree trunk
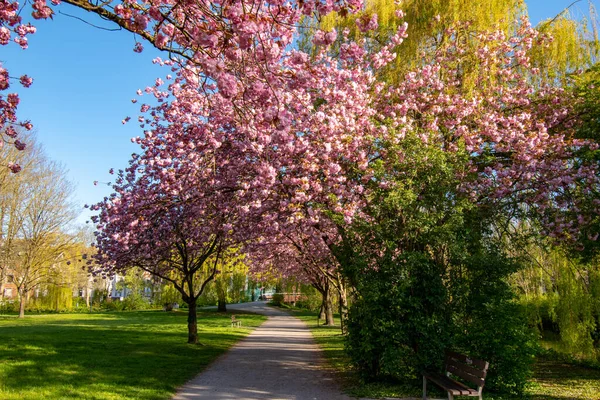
(322,310)
(192,322)
(221,296)
(343,303)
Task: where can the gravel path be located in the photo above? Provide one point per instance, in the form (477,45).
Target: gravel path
(278,360)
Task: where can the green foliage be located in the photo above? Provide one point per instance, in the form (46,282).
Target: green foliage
(168,295)
(554,376)
(573,46)
(409,313)
(587,89)
(427,22)
(135,301)
(311,298)
(492,325)
(431,274)
(562,295)
(277,299)
(52,298)
(113,305)
(399,326)
(229,284)
(575,317)
(8,307)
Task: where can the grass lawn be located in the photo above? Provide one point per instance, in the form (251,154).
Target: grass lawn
(119,355)
(552,380)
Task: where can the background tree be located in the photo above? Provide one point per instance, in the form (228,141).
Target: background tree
(12,193)
(230,279)
(43,212)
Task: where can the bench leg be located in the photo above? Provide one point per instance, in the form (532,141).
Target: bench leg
(424,388)
(450,396)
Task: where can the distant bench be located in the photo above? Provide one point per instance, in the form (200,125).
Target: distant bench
(459,365)
(235,322)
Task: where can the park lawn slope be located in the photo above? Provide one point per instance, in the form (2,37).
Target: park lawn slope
(106,356)
(552,379)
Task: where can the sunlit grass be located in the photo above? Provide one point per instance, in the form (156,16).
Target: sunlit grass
(107,356)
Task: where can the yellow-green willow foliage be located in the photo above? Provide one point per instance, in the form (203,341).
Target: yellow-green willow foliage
(562,294)
(573,46)
(427,22)
(230,281)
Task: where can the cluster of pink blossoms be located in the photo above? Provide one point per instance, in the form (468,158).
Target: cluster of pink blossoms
(11,27)
(270,139)
(520,137)
(216,35)
(245,131)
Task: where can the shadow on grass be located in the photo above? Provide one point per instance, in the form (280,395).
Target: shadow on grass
(107,356)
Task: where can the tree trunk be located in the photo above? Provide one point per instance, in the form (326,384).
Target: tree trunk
(21,304)
(192,322)
(221,295)
(329,321)
(322,310)
(343,304)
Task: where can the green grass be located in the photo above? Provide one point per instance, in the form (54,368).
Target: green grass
(106,356)
(552,379)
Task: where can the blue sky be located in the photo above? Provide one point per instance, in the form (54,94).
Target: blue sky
(84,80)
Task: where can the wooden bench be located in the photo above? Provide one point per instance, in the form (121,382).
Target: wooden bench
(469,369)
(235,322)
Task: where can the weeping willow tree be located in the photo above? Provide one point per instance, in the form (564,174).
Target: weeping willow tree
(230,280)
(562,296)
(574,45)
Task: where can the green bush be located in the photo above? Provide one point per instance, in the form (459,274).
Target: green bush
(412,309)
(135,301)
(8,307)
(277,299)
(494,325)
(114,305)
(311,299)
(399,326)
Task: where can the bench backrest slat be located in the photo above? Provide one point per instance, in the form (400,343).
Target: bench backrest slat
(470,369)
(479,373)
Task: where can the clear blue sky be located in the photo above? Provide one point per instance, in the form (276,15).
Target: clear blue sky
(84,79)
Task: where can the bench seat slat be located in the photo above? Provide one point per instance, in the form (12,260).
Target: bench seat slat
(450,385)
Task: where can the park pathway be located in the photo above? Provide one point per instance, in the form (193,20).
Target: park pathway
(278,360)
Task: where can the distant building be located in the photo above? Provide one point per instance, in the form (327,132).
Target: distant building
(8,288)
